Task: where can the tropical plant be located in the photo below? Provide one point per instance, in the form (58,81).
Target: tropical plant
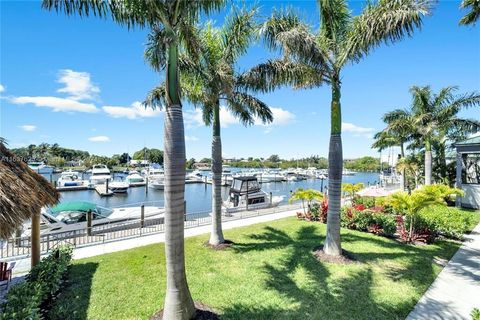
(351,188)
(411,204)
(213,80)
(474,14)
(313,59)
(436,120)
(408,167)
(171,24)
(306,195)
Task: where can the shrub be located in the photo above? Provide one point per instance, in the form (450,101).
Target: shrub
(366,201)
(27,300)
(368,220)
(448,221)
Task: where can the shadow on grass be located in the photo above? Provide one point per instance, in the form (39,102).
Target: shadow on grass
(74,298)
(347,294)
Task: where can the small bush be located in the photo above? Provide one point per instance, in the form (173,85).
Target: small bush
(368,220)
(366,201)
(26,300)
(448,221)
(475,314)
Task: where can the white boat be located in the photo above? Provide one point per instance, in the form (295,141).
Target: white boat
(271,176)
(347,172)
(100,174)
(40,167)
(70,179)
(134,179)
(70,216)
(157,184)
(118,186)
(195,176)
(245,194)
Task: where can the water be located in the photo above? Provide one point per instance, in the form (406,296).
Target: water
(198,195)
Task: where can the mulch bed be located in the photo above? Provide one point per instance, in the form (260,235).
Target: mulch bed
(222,246)
(345,258)
(203,312)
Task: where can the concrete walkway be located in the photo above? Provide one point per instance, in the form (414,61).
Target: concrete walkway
(456,291)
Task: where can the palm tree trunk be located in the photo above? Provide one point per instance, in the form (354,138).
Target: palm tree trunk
(178,301)
(428,162)
(403,181)
(335,166)
(442,160)
(216,236)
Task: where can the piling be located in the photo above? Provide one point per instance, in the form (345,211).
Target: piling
(142,216)
(271,198)
(184,210)
(89,222)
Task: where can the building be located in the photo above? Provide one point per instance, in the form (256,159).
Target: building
(468,172)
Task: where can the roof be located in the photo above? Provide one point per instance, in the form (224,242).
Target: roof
(470,141)
(23,192)
(74,206)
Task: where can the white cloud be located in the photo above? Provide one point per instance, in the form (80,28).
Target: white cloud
(28,127)
(357,130)
(57,104)
(78,85)
(99,139)
(2,88)
(281,117)
(136,110)
(191,138)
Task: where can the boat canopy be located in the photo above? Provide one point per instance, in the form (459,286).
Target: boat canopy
(74,206)
(247,184)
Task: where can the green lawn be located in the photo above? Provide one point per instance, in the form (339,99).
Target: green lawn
(269,273)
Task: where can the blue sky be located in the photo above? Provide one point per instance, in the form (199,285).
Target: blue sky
(77,82)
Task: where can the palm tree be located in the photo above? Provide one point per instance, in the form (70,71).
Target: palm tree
(213,80)
(171,22)
(308,195)
(436,119)
(313,59)
(398,132)
(473,15)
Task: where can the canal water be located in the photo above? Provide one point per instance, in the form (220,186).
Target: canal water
(199,195)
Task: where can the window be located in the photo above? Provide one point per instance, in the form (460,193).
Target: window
(471,168)
(256,200)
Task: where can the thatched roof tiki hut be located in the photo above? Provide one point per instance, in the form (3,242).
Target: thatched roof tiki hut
(23,193)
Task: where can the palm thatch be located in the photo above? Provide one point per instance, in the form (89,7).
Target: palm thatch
(23,192)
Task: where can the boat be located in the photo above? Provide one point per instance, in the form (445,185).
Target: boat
(40,167)
(245,194)
(118,186)
(347,172)
(70,179)
(100,174)
(156,177)
(72,216)
(157,184)
(134,179)
(194,176)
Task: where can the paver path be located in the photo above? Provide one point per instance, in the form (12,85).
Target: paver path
(456,291)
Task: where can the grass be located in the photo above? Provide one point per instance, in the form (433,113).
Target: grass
(269,273)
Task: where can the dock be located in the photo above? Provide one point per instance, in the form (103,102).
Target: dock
(103,191)
(73,188)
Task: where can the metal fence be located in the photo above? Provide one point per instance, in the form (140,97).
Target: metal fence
(19,247)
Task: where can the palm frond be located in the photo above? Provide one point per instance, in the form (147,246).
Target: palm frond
(156,47)
(156,98)
(273,74)
(335,18)
(237,33)
(474,14)
(252,105)
(386,21)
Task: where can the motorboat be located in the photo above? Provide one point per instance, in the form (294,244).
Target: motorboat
(118,186)
(100,174)
(134,179)
(71,216)
(195,176)
(153,173)
(347,172)
(70,179)
(271,176)
(157,184)
(245,194)
(40,167)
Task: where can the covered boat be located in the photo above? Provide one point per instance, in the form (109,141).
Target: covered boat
(246,194)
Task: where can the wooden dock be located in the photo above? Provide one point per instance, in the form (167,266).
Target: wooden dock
(103,191)
(73,188)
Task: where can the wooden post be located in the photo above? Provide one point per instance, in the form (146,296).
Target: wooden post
(271,200)
(35,239)
(89,222)
(146,185)
(106,186)
(142,216)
